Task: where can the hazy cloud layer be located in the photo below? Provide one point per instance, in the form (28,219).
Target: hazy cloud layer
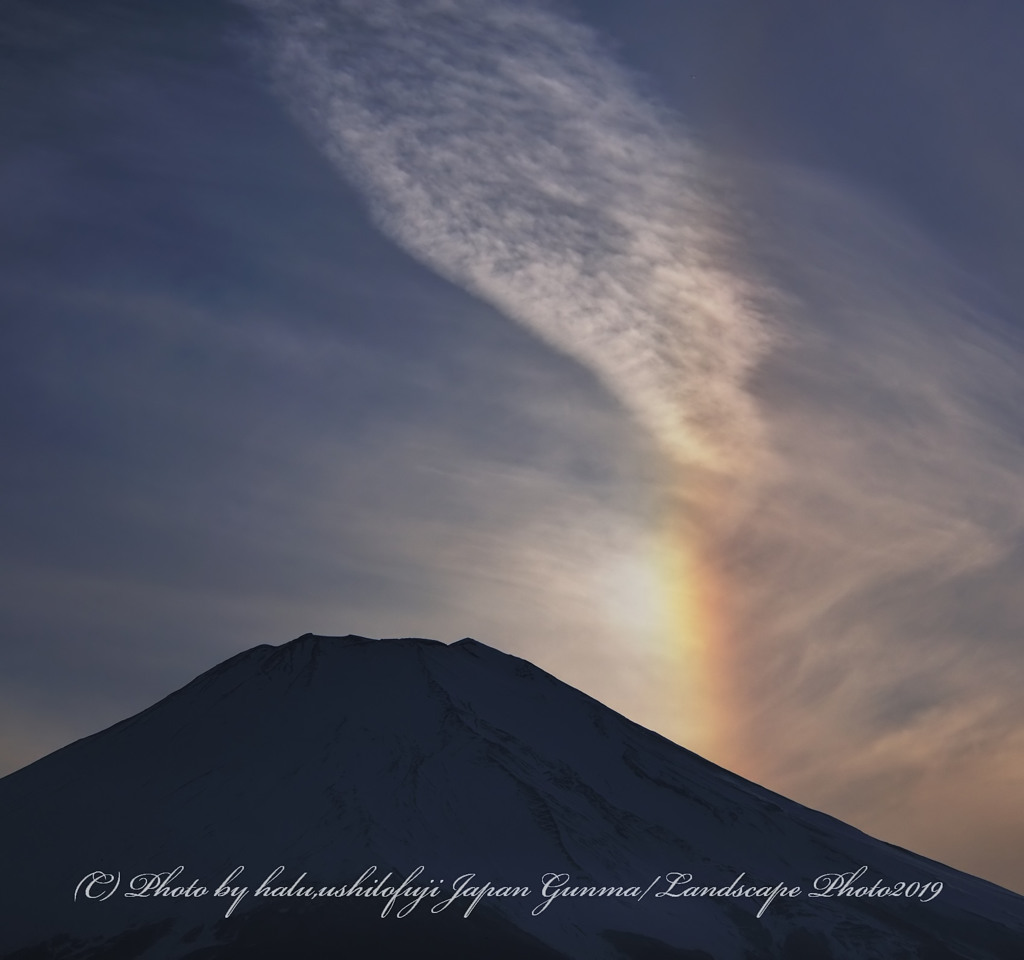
(251,476)
(866,435)
(875,601)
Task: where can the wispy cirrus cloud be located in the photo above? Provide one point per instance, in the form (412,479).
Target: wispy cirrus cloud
(498,144)
(874,603)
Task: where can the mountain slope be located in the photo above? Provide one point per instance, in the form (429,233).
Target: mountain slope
(330,756)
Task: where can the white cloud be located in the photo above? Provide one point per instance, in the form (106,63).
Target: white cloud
(500,146)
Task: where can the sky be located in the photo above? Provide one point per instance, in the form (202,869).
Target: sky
(676,346)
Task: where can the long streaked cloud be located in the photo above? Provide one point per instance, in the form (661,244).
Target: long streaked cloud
(498,144)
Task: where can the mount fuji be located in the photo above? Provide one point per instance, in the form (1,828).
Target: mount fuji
(348,797)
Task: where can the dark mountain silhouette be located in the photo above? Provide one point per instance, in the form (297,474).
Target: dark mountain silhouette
(352,763)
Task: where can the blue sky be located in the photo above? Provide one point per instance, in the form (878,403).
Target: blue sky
(535,323)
